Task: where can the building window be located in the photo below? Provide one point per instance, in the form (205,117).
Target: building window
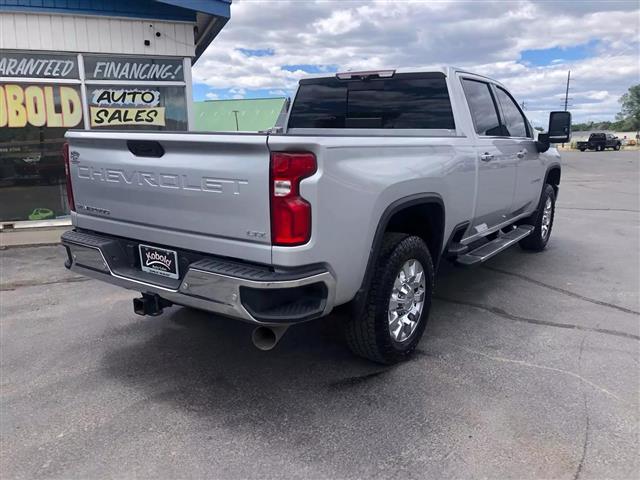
(149,108)
(43,95)
(40,98)
(142,93)
(33,121)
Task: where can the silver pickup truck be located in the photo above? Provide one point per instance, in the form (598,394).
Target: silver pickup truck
(372,179)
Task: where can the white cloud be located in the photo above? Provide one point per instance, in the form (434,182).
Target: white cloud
(339,22)
(484,36)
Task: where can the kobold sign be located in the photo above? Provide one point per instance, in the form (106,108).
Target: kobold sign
(39,106)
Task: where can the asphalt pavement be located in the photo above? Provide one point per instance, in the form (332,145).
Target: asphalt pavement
(529,368)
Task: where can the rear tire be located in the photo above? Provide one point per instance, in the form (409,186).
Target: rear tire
(542,221)
(582,149)
(397,306)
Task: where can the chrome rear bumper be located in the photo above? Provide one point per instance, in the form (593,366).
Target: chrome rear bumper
(204,287)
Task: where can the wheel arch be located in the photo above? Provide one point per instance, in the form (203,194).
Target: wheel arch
(552,176)
(428,207)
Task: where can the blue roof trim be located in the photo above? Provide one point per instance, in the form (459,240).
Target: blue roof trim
(208,38)
(220,8)
(177,10)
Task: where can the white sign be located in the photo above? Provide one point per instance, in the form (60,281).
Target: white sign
(112,97)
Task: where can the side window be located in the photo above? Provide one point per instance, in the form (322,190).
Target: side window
(482,106)
(513,120)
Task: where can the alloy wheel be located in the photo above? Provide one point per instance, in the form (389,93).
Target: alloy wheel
(546,218)
(407,301)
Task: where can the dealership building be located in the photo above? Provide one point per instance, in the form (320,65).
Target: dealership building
(89,64)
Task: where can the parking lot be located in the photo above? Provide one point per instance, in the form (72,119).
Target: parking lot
(529,368)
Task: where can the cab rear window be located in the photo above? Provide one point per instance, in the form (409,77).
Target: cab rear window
(406,101)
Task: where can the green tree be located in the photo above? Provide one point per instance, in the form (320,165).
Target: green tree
(630,108)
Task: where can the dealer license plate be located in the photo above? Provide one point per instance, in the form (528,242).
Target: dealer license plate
(159,261)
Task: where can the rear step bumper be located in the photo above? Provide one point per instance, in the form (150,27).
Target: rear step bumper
(232,288)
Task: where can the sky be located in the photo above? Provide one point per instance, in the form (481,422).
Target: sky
(529,46)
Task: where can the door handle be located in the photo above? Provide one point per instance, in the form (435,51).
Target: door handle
(486,157)
(521,154)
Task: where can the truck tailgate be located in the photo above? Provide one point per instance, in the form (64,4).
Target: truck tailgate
(206,185)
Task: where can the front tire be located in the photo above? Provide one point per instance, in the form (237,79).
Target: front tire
(542,221)
(395,314)
(616,148)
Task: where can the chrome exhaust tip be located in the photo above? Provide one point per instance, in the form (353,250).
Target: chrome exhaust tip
(266,338)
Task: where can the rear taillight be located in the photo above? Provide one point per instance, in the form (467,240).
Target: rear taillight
(67,173)
(290,213)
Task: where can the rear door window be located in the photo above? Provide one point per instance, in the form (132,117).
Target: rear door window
(406,101)
(483,107)
(513,120)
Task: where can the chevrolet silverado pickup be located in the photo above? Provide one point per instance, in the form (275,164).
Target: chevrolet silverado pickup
(371,181)
(600,142)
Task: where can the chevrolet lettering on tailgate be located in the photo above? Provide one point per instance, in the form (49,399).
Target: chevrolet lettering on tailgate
(161,180)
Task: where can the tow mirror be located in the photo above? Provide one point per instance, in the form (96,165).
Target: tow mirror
(559,130)
(559,127)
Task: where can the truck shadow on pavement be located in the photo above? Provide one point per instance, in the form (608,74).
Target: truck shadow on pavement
(296,400)
(185,346)
(214,355)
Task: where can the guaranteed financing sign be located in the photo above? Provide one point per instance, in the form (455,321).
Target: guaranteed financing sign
(138,69)
(28,65)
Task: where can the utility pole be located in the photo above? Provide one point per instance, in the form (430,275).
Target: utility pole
(566,95)
(235,112)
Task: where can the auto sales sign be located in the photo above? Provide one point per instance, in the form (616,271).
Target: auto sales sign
(126,106)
